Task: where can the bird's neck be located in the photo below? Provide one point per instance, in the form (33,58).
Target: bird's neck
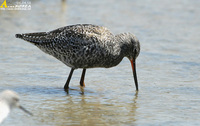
(124,44)
(119,48)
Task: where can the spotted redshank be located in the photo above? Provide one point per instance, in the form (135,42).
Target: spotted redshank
(86,46)
(9,100)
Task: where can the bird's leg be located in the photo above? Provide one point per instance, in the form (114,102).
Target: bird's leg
(82,84)
(66,87)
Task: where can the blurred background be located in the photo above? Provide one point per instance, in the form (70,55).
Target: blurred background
(167,67)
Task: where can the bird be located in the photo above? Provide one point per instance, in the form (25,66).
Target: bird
(84,46)
(9,100)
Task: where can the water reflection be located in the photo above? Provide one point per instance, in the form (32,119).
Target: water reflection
(84,110)
(63,6)
(80,90)
(57,108)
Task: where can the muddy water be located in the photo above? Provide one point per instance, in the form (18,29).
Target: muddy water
(168,65)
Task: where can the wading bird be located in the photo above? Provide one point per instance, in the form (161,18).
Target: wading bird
(9,100)
(86,46)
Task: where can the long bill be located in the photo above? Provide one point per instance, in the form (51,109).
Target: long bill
(134,73)
(22,108)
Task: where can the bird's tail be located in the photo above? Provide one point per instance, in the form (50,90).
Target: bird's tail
(35,38)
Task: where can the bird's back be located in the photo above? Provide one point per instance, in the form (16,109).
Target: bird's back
(78,46)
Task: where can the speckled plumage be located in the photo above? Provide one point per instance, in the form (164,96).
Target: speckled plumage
(85,46)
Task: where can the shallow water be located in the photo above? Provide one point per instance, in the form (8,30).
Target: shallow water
(167,67)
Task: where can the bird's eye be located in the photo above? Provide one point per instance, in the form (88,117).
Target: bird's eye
(16,99)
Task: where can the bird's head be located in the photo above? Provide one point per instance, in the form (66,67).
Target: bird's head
(11,98)
(134,47)
(131,48)
(133,54)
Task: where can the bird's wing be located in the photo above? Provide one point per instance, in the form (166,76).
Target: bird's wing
(73,33)
(82,33)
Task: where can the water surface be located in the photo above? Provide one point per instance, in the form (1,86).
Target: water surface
(167,67)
